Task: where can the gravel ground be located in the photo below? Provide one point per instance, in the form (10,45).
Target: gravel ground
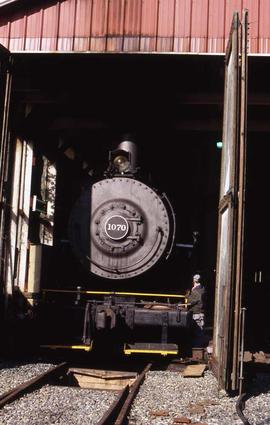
(14,373)
(58,405)
(166,396)
(163,398)
(50,404)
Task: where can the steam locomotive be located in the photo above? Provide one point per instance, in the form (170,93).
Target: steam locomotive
(119,230)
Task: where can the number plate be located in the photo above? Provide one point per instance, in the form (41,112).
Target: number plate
(116,227)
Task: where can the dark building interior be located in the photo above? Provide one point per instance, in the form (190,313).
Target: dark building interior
(172,105)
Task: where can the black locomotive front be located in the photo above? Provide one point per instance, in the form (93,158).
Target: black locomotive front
(131,225)
(121,228)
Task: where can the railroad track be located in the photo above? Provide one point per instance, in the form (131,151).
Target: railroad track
(33,384)
(118,411)
(60,375)
(117,402)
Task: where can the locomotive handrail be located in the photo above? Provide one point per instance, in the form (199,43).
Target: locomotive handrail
(173,224)
(117,293)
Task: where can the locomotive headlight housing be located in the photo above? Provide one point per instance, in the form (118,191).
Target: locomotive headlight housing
(121,163)
(123,160)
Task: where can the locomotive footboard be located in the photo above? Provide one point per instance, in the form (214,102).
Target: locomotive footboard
(155,321)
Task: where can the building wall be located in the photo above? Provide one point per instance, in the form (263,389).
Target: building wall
(185,26)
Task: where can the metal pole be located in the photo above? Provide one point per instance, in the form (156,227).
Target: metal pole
(241,376)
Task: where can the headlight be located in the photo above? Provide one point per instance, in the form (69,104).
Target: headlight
(121,163)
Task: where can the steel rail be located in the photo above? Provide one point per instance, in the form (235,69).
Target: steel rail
(121,418)
(118,411)
(33,384)
(111,414)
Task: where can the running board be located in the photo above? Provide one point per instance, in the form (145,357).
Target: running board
(68,347)
(151,348)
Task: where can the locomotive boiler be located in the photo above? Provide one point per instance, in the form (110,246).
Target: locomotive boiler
(131,226)
(120,229)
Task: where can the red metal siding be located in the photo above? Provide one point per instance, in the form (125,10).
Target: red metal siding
(264,29)
(196,26)
(132,26)
(199,25)
(182,34)
(216,26)
(99,25)
(50,28)
(82,25)
(17,31)
(33,30)
(149,26)
(253,7)
(165,28)
(230,7)
(66,27)
(115,33)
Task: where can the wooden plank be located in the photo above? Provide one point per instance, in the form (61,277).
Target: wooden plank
(195,370)
(102,379)
(104,374)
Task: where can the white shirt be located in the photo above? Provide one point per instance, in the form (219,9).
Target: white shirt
(195,285)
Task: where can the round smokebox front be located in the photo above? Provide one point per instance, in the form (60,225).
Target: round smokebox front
(129,228)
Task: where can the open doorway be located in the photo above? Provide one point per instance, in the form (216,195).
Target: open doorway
(75,109)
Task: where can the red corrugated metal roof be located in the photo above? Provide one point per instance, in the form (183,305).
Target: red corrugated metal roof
(83,26)
(132,26)
(197,26)
(216,26)
(149,22)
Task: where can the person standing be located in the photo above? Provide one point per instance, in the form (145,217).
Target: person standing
(195,301)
